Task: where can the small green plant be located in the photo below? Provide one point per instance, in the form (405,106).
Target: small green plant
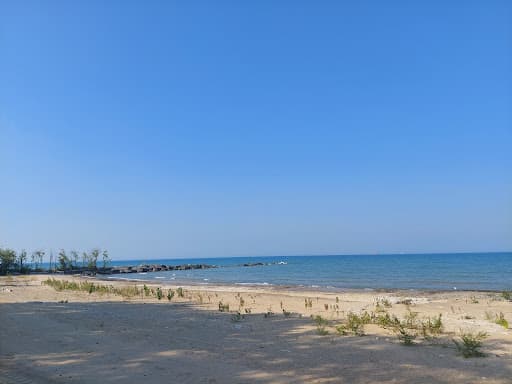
(500,320)
(356,323)
(385,302)
(405,335)
(386,321)
(432,326)
(341,329)
(469,344)
(497,318)
(159,293)
(242,302)
(146,290)
(180,292)
(507,295)
(223,307)
(308,303)
(411,319)
(319,320)
(170,294)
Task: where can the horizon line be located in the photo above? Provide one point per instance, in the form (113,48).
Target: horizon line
(320,255)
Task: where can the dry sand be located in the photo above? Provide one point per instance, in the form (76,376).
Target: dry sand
(95,338)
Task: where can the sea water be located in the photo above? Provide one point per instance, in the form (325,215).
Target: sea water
(449,271)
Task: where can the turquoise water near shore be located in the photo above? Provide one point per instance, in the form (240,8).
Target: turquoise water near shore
(461,271)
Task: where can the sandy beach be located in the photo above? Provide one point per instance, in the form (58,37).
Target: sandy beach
(267,335)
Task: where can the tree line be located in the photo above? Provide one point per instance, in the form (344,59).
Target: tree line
(12,261)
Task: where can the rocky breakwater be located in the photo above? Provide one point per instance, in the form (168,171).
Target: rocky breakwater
(154,268)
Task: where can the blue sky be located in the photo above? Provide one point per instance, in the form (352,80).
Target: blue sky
(187,129)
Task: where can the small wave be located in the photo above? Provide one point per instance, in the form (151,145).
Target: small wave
(264,283)
(124,278)
(159,277)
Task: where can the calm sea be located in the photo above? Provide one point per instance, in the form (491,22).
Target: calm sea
(461,271)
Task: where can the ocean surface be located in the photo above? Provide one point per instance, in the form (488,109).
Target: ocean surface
(460,271)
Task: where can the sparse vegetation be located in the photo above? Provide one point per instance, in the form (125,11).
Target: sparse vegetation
(180,292)
(500,320)
(356,323)
(269,313)
(384,302)
(170,294)
(405,335)
(507,295)
(87,286)
(321,324)
(159,293)
(469,344)
(223,307)
(405,302)
(432,326)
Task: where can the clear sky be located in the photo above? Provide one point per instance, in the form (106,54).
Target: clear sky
(215,128)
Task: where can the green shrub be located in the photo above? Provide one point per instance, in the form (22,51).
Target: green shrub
(469,344)
(356,323)
(432,326)
(405,335)
(341,329)
(319,320)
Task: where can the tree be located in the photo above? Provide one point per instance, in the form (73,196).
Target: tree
(93,258)
(22,258)
(74,259)
(7,260)
(85,258)
(64,261)
(37,258)
(106,259)
(51,260)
